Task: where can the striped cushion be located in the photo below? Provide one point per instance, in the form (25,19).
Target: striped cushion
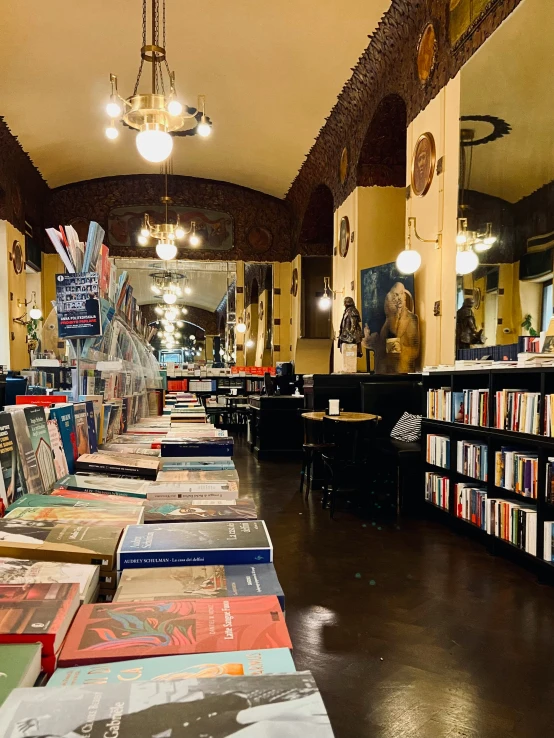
(408,428)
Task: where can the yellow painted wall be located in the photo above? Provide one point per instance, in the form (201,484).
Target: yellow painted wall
(16,284)
(281,310)
(436,212)
(261,351)
(345,277)
(51,265)
(239,306)
(295,308)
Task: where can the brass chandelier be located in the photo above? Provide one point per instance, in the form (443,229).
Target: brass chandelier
(155,114)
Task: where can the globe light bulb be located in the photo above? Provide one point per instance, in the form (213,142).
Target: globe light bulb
(180,324)
(249,343)
(188,291)
(158,310)
(240,327)
(170,298)
(164,322)
(174,107)
(113,109)
(170,328)
(112,132)
(142,240)
(170,314)
(194,240)
(466,262)
(461,238)
(144,232)
(155,289)
(203,129)
(35,313)
(408,261)
(324,302)
(480,246)
(184,311)
(154,145)
(166,251)
(490,240)
(192,337)
(179,232)
(177,334)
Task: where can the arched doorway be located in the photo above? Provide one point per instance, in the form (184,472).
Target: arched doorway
(316,233)
(382,161)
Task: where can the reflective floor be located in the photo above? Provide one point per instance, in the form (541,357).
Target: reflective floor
(411,632)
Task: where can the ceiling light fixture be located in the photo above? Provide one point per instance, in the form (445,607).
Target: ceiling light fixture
(155,114)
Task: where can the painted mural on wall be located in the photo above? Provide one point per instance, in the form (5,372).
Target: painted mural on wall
(214,228)
(390,326)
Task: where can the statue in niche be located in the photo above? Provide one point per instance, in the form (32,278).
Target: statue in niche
(350,331)
(467,333)
(397,344)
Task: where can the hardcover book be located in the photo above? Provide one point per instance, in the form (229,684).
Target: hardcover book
(91,426)
(191,509)
(20,665)
(60,462)
(267,706)
(173,668)
(31,480)
(8,462)
(126,465)
(199,491)
(25,571)
(79,515)
(65,416)
(181,544)
(113,632)
(195,582)
(107,485)
(31,613)
(49,541)
(40,441)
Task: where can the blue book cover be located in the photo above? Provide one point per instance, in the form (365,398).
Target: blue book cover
(91,420)
(195,544)
(219,465)
(212,447)
(65,416)
(198,582)
(172,668)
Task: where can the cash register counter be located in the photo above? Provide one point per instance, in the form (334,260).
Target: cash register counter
(275,425)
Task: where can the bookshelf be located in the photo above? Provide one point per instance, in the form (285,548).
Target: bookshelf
(536,381)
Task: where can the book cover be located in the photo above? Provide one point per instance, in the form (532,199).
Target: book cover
(199,491)
(107,485)
(79,515)
(173,668)
(226,475)
(113,632)
(25,571)
(91,426)
(266,706)
(196,544)
(210,465)
(81,428)
(40,441)
(195,582)
(20,664)
(31,613)
(128,448)
(90,499)
(50,541)
(192,509)
(60,462)
(215,447)
(28,471)
(126,465)
(65,416)
(8,462)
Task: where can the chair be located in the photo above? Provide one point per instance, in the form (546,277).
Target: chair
(312,448)
(345,460)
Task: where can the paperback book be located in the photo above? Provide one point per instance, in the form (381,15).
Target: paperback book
(20,664)
(25,571)
(195,544)
(106,485)
(125,465)
(173,668)
(195,582)
(113,632)
(91,499)
(60,462)
(191,509)
(79,515)
(8,462)
(227,475)
(91,426)
(81,428)
(29,475)
(270,705)
(199,491)
(65,416)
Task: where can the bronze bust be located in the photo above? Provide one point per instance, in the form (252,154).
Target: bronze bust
(466,327)
(351,325)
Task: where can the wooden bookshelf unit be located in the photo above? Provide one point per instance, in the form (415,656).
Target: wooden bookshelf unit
(532,380)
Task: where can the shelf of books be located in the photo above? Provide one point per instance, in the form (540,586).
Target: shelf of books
(487,439)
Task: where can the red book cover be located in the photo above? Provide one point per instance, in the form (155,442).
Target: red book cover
(45,400)
(37,613)
(97,497)
(115,632)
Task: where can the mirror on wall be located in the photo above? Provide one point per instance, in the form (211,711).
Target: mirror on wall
(506,187)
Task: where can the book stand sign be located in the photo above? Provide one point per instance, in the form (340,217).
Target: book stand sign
(78,309)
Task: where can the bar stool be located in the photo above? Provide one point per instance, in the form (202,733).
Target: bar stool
(313,446)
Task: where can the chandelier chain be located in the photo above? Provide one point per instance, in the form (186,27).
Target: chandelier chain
(143,45)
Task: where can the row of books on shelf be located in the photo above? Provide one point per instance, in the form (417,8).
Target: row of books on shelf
(471,458)
(517,471)
(438,450)
(468,406)
(517,410)
(110,666)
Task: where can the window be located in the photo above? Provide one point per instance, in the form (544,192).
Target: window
(546,305)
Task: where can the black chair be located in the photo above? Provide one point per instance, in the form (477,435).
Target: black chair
(401,460)
(312,448)
(347,457)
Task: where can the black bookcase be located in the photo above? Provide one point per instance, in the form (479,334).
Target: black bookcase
(532,380)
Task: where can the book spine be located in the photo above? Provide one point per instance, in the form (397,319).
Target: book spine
(133,560)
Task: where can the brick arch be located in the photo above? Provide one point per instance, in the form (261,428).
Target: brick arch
(382,160)
(316,231)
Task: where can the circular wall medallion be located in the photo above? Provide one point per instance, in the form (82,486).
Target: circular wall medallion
(344,237)
(423,164)
(426,53)
(17,257)
(260,239)
(294,282)
(343,168)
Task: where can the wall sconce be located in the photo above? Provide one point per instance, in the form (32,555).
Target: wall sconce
(240,327)
(467,260)
(326,299)
(478,241)
(250,343)
(35,313)
(409,260)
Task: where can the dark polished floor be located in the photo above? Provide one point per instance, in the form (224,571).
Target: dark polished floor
(411,631)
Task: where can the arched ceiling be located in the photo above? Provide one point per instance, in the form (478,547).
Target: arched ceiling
(271,72)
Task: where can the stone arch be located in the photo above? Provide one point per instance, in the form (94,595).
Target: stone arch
(316,232)
(382,161)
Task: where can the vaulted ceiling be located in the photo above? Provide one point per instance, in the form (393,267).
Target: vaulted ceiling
(271,72)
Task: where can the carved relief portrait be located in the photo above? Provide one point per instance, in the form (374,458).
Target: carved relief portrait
(423,164)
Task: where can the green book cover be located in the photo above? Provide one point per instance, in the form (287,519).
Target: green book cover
(40,441)
(19,667)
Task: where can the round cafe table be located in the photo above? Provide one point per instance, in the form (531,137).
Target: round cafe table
(343,417)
